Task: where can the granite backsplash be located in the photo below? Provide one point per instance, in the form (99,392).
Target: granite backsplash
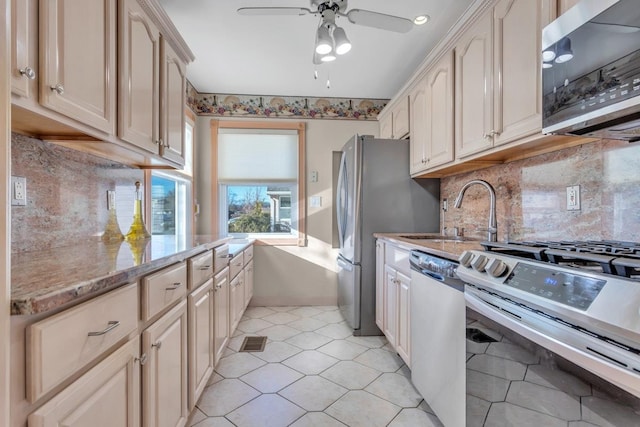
(66,194)
(532,202)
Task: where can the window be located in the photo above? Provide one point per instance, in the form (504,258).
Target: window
(257,169)
(170,199)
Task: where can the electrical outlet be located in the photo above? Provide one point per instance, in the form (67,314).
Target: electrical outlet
(111,199)
(18,191)
(573,198)
(315,202)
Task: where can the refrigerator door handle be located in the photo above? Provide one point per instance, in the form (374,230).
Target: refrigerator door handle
(341,210)
(345,265)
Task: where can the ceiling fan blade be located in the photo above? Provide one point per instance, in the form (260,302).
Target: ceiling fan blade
(379,20)
(294,11)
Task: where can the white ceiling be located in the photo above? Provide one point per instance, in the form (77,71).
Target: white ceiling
(272,55)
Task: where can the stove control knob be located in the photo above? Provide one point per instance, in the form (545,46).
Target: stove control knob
(479,262)
(465,259)
(496,268)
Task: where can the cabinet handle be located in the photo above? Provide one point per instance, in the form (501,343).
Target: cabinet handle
(160,142)
(142,359)
(166,144)
(28,73)
(494,133)
(174,286)
(112,324)
(58,88)
(157,345)
(205,267)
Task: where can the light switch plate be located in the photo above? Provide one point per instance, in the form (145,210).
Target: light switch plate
(573,198)
(315,202)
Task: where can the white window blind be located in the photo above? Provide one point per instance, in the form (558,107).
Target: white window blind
(246,155)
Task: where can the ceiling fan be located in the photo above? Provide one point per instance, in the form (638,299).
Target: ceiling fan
(330,38)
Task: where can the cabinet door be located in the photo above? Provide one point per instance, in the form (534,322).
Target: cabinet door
(473,86)
(139,63)
(248,283)
(386,126)
(401,118)
(173,78)
(201,324)
(164,376)
(380,284)
(78,60)
(221,312)
(233,304)
(239,305)
(106,396)
(24,30)
(418,124)
(517,76)
(439,118)
(403,344)
(390,305)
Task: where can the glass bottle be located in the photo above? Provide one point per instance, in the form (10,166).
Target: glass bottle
(137,231)
(112,231)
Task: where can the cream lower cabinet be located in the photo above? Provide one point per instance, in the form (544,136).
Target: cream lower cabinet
(78,60)
(248,283)
(108,395)
(236,301)
(393,284)
(221,313)
(164,375)
(201,334)
(498,78)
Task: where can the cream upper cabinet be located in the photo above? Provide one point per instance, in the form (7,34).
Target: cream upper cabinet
(106,396)
(139,78)
(386,126)
(173,89)
(432,118)
(498,76)
(164,375)
(78,60)
(474,89)
(517,73)
(394,124)
(24,46)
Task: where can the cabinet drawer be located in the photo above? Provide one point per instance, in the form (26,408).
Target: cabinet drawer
(235,265)
(163,288)
(200,268)
(220,258)
(248,254)
(397,258)
(60,345)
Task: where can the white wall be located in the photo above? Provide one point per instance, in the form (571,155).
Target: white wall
(289,275)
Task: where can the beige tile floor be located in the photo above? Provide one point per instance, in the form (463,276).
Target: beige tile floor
(314,372)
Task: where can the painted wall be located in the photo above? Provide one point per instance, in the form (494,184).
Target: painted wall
(288,275)
(66,194)
(531,195)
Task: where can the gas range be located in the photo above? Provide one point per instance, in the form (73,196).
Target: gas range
(580,299)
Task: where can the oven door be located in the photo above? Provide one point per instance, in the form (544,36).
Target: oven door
(613,363)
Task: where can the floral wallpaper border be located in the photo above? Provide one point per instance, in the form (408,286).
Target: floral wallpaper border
(223,105)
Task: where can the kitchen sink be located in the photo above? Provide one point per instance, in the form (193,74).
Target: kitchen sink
(438,238)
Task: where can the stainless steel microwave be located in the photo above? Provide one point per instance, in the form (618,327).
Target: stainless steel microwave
(591,71)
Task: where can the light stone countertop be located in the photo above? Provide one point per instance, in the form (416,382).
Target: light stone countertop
(445,248)
(45,280)
(238,245)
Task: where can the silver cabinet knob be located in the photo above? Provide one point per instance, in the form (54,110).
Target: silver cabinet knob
(28,72)
(58,88)
(157,345)
(142,359)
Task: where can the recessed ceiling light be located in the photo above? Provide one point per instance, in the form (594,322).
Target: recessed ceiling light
(421,19)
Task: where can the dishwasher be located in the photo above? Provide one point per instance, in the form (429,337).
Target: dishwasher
(438,344)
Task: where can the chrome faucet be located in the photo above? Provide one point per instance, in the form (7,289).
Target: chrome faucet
(492,231)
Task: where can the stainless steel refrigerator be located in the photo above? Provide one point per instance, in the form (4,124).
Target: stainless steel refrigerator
(374,193)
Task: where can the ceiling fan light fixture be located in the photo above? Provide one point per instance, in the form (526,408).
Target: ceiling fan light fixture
(564,50)
(343,45)
(324,43)
(421,19)
(329,57)
(549,54)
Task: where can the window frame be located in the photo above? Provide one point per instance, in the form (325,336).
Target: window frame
(299,127)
